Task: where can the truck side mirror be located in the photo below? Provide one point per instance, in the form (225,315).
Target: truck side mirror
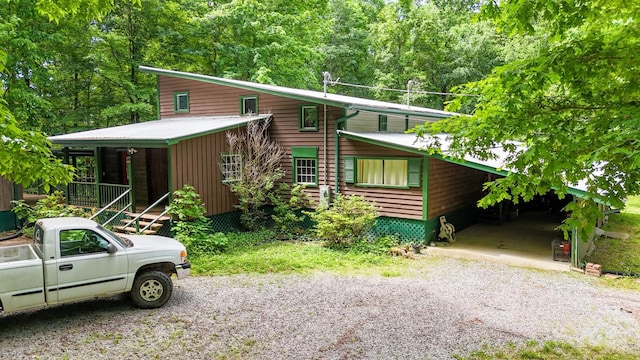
(111,248)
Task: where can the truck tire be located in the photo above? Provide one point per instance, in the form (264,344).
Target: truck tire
(151,289)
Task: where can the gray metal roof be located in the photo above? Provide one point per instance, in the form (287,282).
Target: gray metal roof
(349,102)
(158,133)
(411,143)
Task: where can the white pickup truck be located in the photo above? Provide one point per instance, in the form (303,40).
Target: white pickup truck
(76,258)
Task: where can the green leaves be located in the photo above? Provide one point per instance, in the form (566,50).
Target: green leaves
(572,100)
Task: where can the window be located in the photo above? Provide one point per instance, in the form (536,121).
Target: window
(308,118)
(248,104)
(382,122)
(388,172)
(231,166)
(305,165)
(78,242)
(181,101)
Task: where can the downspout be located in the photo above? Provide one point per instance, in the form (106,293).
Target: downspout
(324,149)
(326,78)
(337,147)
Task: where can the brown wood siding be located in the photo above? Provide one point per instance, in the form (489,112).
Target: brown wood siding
(212,99)
(400,203)
(452,187)
(139,168)
(6,194)
(196,162)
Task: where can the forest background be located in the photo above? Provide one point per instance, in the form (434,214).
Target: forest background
(81,73)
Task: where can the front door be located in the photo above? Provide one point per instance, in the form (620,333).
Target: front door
(85,268)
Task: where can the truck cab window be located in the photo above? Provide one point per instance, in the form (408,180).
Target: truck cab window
(78,242)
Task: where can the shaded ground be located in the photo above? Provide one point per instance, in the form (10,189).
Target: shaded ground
(524,241)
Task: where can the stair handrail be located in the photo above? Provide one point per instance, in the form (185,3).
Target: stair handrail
(135,219)
(154,220)
(118,213)
(111,203)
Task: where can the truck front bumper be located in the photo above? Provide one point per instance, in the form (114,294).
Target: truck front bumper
(183,270)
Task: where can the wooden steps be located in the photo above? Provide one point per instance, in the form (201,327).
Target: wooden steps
(144,220)
(147,216)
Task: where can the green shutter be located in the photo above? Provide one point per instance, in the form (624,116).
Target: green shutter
(349,169)
(413,179)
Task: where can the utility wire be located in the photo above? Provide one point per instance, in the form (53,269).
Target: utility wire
(399,90)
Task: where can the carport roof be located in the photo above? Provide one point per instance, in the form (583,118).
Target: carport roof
(157,133)
(411,143)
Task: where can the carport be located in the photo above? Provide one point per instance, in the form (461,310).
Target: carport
(524,240)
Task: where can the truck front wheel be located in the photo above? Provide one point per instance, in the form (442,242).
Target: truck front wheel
(151,289)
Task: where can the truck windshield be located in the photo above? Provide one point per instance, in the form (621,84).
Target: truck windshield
(115,237)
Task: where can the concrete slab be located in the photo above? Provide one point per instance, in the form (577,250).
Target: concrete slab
(524,241)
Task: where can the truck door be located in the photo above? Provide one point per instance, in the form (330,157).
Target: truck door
(85,268)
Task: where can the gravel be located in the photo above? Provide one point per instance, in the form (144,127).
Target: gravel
(453,308)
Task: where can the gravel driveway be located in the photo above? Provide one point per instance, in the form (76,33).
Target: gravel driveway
(455,307)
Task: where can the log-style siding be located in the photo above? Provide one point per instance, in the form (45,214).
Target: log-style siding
(452,187)
(400,203)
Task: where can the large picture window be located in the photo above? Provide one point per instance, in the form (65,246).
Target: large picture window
(231,167)
(382,172)
(308,118)
(305,165)
(181,101)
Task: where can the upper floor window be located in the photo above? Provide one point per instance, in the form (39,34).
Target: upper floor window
(382,122)
(248,104)
(181,101)
(231,167)
(308,118)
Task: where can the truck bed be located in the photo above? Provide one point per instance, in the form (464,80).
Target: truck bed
(17,253)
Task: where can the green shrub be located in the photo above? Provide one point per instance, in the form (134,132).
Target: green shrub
(346,221)
(186,204)
(198,239)
(288,202)
(193,229)
(377,246)
(54,205)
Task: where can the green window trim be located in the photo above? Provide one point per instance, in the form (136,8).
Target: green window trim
(244,104)
(181,102)
(308,122)
(413,171)
(382,122)
(307,157)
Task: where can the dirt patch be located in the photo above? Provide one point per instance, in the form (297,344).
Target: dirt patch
(21,240)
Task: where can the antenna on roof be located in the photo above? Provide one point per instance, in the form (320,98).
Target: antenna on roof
(409,83)
(328,80)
